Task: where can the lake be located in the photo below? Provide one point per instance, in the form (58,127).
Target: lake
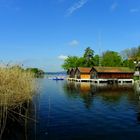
(82,111)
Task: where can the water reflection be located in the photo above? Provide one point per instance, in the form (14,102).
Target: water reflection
(82,90)
(108,93)
(69,109)
(19,123)
(117,94)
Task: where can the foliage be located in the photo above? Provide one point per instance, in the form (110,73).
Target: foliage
(89,53)
(37,72)
(96,60)
(132,53)
(88,57)
(128,63)
(87,60)
(111,58)
(71,62)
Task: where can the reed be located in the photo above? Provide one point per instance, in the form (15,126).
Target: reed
(17,87)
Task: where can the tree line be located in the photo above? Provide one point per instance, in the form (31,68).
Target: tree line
(36,71)
(108,58)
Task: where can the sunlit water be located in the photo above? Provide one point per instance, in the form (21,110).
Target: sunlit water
(81,111)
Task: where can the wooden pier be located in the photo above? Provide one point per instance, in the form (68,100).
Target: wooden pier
(101,81)
(109,75)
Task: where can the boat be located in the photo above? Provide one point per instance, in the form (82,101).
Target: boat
(58,78)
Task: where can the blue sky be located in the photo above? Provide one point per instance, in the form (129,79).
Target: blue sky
(42,33)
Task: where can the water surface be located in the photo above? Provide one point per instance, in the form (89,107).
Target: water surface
(69,110)
(83,111)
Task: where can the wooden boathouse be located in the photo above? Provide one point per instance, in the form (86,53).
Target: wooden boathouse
(82,73)
(71,73)
(99,74)
(112,74)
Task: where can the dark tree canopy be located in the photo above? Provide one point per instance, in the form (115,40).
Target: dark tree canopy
(89,53)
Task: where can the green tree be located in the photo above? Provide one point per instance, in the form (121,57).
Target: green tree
(96,60)
(128,63)
(111,58)
(88,57)
(88,60)
(131,53)
(89,53)
(37,72)
(70,62)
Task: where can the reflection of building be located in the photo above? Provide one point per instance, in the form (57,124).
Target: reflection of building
(88,91)
(84,87)
(80,90)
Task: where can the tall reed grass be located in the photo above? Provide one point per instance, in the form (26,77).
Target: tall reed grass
(17,86)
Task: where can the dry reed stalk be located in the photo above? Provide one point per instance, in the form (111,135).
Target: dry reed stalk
(16,87)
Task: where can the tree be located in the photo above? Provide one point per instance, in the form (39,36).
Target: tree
(111,58)
(128,63)
(89,53)
(70,62)
(131,53)
(96,60)
(88,60)
(37,72)
(88,57)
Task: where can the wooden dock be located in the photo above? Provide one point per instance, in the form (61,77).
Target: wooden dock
(100,81)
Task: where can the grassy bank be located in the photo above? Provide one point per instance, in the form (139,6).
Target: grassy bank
(17,87)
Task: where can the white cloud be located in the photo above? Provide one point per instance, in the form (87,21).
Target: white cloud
(79,4)
(114,6)
(134,10)
(74,43)
(62,57)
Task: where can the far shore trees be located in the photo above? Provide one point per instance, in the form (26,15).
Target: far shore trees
(87,60)
(132,53)
(109,58)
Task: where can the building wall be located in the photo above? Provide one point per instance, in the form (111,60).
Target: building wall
(115,75)
(85,76)
(72,74)
(93,75)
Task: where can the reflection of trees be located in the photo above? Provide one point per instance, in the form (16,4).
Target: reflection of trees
(70,90)
(80,90)
(114,93)
(108,93)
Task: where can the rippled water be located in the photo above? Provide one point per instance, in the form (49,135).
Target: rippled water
(68,111)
